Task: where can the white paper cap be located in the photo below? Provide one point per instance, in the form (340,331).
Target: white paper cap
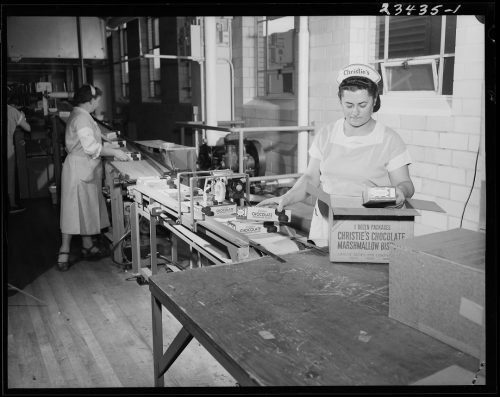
(358,70)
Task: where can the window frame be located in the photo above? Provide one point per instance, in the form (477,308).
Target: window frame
(152,46)
(438,61)
(124,67)
(422,61)
(265,72)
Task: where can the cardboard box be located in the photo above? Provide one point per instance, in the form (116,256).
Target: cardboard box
(221,210)
(114,143)
(437,285)
(251,227)
(359,234)
(367,235)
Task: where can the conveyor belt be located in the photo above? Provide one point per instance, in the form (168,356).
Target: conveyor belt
(132,170)
(160,168)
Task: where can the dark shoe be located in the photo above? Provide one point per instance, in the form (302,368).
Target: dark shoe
(93,253)
(15,209)
(62,266)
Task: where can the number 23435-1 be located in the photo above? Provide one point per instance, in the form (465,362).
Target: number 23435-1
(420,9)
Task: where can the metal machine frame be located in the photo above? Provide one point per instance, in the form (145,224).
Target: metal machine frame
(208,237)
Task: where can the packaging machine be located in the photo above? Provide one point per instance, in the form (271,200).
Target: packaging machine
(211,212)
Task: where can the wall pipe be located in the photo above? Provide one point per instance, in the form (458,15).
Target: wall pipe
(209,29)
(80,54)
(303,93)
(231,69)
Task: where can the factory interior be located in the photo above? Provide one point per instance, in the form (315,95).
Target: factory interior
(199,283)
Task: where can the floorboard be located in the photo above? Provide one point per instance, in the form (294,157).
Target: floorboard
(89,327)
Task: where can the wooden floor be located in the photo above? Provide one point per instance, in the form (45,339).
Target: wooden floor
(89,327)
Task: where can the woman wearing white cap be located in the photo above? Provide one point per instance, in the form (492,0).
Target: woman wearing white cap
(352,152)
(83,209)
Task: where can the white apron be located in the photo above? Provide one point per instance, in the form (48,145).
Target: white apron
(349,163)
(83,208)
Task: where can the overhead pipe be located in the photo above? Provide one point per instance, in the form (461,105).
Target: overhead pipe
(303,93)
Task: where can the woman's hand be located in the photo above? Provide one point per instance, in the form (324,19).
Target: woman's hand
(120,155)
(400,198)
(280,202)
(400,178)
(272,202)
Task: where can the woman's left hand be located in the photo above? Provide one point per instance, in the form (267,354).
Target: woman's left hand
(400,198)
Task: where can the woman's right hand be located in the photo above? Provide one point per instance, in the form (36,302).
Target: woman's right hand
(279,201)
(120,155)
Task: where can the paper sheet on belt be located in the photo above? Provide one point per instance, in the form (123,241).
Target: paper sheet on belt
(276,243)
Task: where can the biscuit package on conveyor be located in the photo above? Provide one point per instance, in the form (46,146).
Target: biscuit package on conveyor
(263,214)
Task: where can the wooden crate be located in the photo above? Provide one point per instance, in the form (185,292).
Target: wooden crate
(437,285)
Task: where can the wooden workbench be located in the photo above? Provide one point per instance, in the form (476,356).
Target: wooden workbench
(303,322)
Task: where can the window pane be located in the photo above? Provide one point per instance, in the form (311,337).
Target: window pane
(449,65)
(414,36)
(125,49)
(451,32)
(280,42)
(380,37)
(156,41)
(150,33)
(157,88)
(288,82)
(410,78)
(275,55)
(275,83)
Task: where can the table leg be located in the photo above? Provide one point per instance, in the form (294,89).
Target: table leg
(157,340)
(135,238)
(174,350)
(153,244)
(174,241)
(117,221)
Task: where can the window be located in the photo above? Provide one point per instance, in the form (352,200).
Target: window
(154,63)
(123,60)
(275,56)
(188,44)
(416,53)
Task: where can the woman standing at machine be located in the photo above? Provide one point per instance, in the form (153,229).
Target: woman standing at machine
(83,208)
(352,152)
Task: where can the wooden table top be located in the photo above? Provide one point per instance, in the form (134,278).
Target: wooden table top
(303,322)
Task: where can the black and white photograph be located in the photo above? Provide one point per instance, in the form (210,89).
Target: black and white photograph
(238,198)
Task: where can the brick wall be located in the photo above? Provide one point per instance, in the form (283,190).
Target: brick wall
(328,53)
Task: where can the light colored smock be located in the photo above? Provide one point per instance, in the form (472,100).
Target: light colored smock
(350,163)
(83,208)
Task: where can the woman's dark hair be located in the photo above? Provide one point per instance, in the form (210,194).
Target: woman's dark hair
(361,83)
(85,94)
